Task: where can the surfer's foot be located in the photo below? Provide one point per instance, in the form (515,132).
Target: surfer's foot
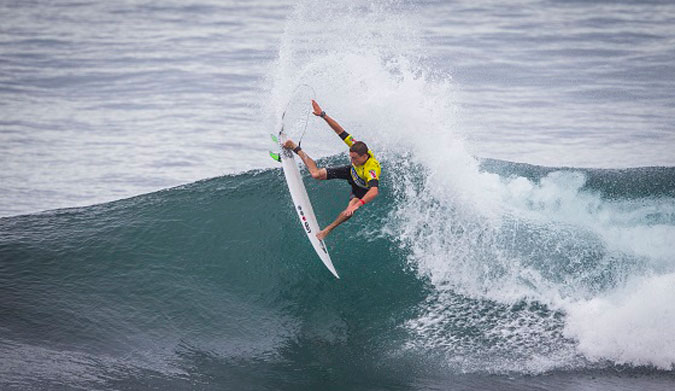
(321,235)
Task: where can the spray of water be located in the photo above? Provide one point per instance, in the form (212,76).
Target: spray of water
(527,275)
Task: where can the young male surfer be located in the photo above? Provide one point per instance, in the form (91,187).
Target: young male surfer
(363,174)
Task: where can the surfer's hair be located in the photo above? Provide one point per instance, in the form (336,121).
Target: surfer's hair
(359,147)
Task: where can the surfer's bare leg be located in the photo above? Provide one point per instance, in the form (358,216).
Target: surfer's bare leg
(317,173)
(342,217)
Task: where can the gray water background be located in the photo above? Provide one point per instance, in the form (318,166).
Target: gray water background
(105,100)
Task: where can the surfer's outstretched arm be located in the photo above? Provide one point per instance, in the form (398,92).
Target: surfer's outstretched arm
(317,173)
(330,121)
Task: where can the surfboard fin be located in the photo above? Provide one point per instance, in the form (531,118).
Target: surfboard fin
(275,156)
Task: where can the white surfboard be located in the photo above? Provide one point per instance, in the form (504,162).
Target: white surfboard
(302,205)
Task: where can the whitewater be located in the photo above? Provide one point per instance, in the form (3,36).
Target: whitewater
(470,270)
(509,238)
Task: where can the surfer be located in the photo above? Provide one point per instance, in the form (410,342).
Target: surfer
(363,174)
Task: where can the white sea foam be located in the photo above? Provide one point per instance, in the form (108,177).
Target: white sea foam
(632,325)
(590,261)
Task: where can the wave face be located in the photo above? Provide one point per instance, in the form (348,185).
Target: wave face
(215,284)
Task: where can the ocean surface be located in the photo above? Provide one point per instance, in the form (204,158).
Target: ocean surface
(522,240)
(105,100)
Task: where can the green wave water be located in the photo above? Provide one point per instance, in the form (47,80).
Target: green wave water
(213,285)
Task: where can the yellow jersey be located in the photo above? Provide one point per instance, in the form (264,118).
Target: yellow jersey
(368,174)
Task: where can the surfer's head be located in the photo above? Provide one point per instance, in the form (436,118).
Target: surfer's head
(358,152)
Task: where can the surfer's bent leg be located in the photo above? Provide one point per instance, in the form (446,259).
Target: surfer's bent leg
(342,217)
(317,173)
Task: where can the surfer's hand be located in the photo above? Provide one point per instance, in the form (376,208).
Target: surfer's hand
(289,144)
(317,108)
(351,209)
